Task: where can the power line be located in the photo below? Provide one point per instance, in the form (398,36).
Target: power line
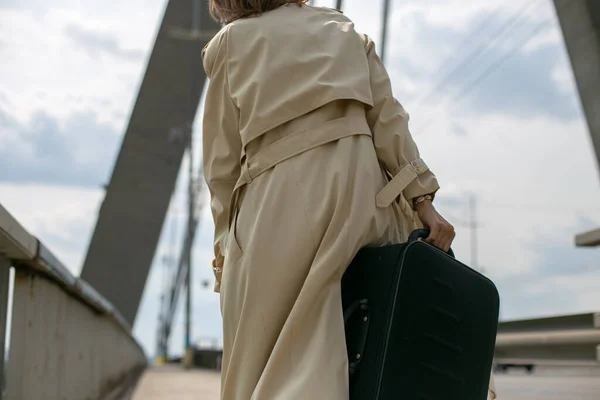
(473,230)
(461,95)
(469,88)
(484,24)
(545,207)
(478,51)
(384,30)
(473,225)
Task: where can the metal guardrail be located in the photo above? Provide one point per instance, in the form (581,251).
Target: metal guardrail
(549,338)
(67,341)
(561,340)
(562,322)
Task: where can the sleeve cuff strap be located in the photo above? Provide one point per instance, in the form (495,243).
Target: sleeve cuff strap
(396,186)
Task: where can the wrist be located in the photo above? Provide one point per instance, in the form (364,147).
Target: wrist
(423,207)
(422,201)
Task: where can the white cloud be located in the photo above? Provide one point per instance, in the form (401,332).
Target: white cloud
(559,294)
(49,72)
(61,217)
(564,78)
(525,178)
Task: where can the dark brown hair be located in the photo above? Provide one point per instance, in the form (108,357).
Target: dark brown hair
(226,11)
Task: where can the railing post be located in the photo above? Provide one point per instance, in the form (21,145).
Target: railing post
(21,313)
(4,281)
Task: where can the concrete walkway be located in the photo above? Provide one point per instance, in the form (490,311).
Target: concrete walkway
(173,383)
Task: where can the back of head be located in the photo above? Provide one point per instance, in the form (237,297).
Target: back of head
(226,11)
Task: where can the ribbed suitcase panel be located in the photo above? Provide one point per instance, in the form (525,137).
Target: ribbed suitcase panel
(432,328)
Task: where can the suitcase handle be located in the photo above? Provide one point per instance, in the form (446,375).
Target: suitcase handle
(422,234)
(361,308)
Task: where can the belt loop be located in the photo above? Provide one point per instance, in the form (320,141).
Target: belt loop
(245,173)
(233,206)
(244,179)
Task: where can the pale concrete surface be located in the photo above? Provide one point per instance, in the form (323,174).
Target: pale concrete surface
(176,384)
(172,383)
(547,388)
(550,384)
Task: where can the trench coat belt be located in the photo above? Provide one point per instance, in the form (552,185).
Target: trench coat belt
(307,139)
(292,145)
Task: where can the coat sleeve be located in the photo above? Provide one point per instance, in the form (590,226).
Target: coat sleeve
(395,147)
(221,145)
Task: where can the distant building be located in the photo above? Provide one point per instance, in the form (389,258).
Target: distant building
(207,344)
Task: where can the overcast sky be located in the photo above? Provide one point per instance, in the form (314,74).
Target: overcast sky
(509,130)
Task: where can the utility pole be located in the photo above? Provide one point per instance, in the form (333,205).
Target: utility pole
(386,10)
(191,226)
(473,226)
(188,277)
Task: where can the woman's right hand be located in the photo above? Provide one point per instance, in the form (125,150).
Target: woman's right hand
(441,232)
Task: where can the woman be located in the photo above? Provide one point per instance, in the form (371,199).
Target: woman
(301,136)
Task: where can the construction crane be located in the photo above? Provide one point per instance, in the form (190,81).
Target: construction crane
(183,274)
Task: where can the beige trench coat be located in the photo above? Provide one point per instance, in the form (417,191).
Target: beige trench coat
(301,140)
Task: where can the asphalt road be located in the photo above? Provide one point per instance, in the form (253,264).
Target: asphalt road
(176,384)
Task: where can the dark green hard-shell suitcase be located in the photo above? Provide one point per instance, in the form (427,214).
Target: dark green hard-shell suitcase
(419,324)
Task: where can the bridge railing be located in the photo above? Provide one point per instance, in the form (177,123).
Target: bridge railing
(66,341)
(562,340)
